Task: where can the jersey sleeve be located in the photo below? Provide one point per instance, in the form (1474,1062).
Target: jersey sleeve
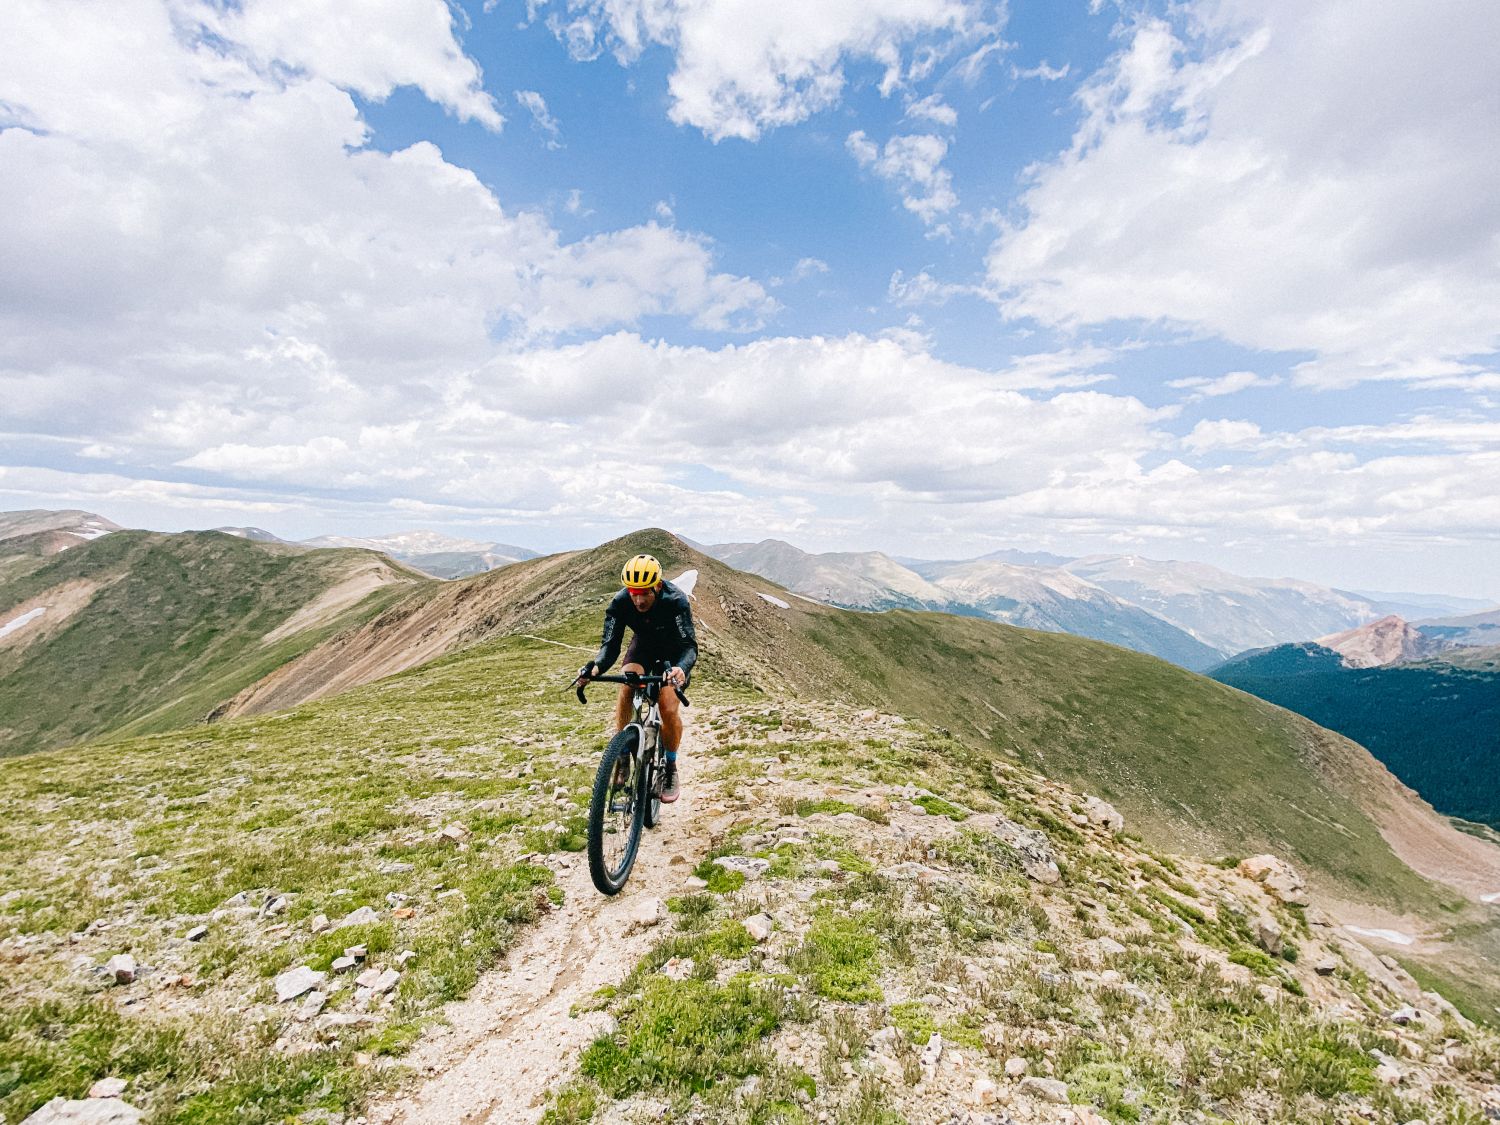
(687,639)
(613,637)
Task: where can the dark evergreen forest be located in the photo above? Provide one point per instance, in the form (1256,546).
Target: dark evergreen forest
(1435,724)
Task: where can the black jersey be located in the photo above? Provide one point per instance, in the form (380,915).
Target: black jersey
(663,632)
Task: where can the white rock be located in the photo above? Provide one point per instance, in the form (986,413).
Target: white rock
(385,982)
(122,967)
(645,912)
(358,952)
(319,923)
(751,867)
(1103,814)
(343,964)
(108,1088)
(1278,878)
(294,982)
(1388,1074)
(1047,1089)
(454,833)
(1268,935)
(678,968)
(759,926)
(311,1006)
(275,906)
(1109,947)
(404,956)
(197,933)
(1016,1066)
(1405,1015)
(1326,967)
(94,1111)
(984,1092)
(932,1054)
(364,916)
(693,883)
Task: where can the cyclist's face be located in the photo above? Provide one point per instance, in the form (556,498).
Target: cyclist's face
(643,599)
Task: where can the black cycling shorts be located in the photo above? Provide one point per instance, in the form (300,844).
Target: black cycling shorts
(643,654)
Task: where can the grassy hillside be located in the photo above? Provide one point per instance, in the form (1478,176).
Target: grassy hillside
(1196,765)
(144,632)
(255,828)
(1435,723)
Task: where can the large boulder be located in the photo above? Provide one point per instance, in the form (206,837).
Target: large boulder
(93,1111)
(1277,877)
(1103,814)
(1033,849)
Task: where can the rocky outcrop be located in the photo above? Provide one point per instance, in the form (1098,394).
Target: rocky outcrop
(1277,877)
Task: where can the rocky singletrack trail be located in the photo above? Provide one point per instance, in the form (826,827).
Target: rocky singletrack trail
(507,1044)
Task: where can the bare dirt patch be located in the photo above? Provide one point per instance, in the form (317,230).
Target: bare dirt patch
(354,589)
(514,1038)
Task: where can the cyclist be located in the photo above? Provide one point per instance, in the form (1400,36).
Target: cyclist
(661,621)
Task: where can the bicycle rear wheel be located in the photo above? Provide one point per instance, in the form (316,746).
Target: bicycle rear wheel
(615,814)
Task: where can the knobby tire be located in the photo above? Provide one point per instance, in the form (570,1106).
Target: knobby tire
(611,881)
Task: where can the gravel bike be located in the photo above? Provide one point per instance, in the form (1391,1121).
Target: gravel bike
(627,796)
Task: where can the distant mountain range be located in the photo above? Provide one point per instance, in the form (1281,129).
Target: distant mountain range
(1192,614)
(441,556)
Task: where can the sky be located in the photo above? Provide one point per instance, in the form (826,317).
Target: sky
(1211,280)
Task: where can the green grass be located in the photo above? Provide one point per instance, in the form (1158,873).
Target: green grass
(838,958)
(335,805)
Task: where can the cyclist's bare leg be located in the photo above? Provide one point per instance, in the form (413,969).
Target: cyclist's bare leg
(671,720)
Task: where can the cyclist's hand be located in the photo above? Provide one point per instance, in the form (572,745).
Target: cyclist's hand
(587,672)
(676,677)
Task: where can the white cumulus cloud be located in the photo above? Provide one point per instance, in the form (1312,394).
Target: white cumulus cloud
(1285,176)
(744,66)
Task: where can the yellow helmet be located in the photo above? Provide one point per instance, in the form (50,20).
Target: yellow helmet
(641,572)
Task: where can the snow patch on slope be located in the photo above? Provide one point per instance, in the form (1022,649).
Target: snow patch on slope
(1395,937)
(777,602)
(21,622)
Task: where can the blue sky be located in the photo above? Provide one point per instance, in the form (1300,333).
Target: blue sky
(1204,280)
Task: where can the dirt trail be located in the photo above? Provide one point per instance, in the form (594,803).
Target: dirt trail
(513,1038)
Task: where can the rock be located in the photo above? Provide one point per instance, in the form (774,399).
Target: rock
(94,1111)
(693,883)
(364,916)
(454,833)
(932,1054)
(1388,1074)
(1047,1089)
(1016,1067)
(312,1006)
(1268,935)
(678,968)
(883,1042)
(984,1092)
(123,968)
(294,982)
(377,980)
(759,926)
(319,923)
(1083,1115)
(1326,967)
(404,956)
(197,933)
(750,867)
(829,865)
(343,964)
(1277,877)
(1037,860)
(645,912)
(275,906)
(108,1088)
(1406,1015)
(1109,947)
(358,952)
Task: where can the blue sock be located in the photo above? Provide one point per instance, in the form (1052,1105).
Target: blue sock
(671,755)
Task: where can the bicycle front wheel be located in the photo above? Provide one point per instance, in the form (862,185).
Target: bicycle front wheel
(616,813)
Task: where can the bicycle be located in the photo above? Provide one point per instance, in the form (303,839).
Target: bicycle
(618,811)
